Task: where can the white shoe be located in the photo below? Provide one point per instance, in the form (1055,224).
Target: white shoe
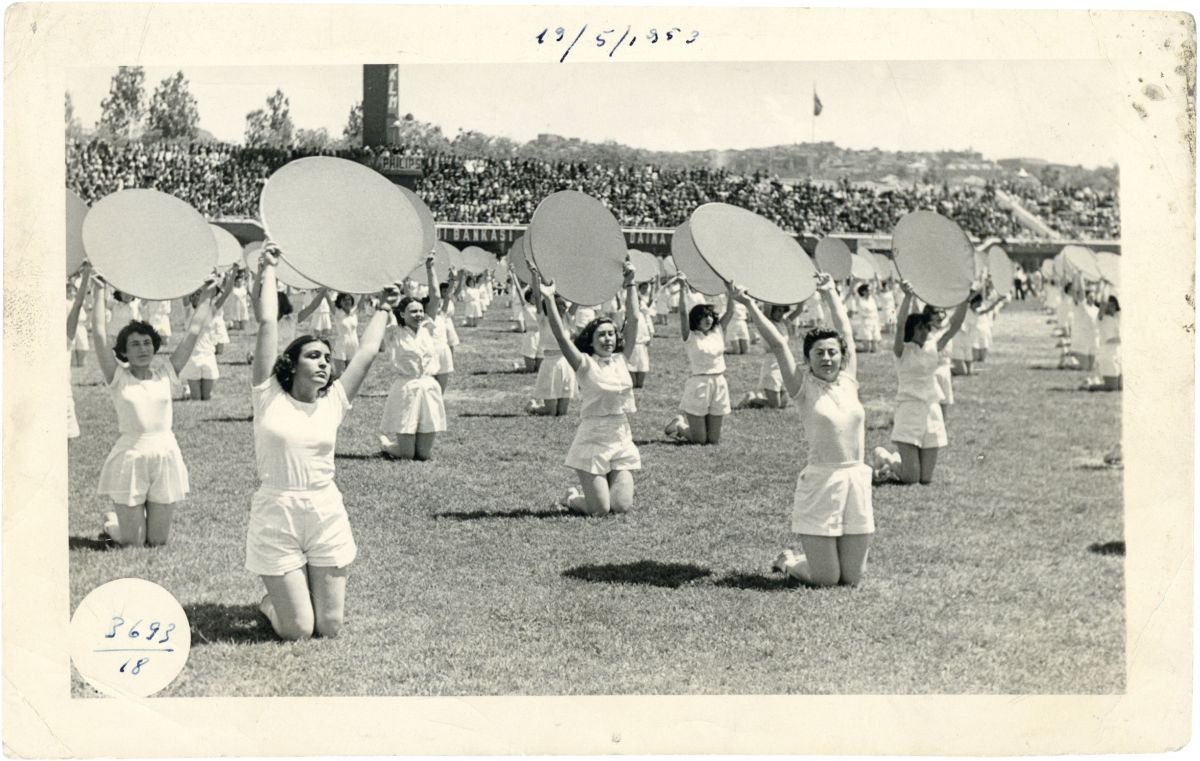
(785,562)
(568,495)
(109,526)
(532,406)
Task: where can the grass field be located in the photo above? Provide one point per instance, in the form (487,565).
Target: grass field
(998,578)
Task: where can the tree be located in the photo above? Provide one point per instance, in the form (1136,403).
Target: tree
(173,109)
(121,112)
(352,134)
(74,129)
(313,139)
(271,126)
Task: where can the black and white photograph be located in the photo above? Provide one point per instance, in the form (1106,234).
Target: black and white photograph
(598,380)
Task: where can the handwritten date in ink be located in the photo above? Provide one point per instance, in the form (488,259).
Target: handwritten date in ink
(612,39)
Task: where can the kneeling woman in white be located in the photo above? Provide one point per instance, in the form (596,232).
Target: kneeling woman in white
(144,474)
(603,454)
(705,400)
(299,539)
(832,511)
(918,428)
(414,412)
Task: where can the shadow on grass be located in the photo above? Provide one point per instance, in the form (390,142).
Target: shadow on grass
(649,572)
(216,622)
(89,543)
(230,419)
(757,582)
(1107,548)
(479,515)
(362,456)
(508,371)
(492,414)
(662,443)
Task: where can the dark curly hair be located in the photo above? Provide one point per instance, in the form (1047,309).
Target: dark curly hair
(285,363)
(698,312)
(584,340)
(343,297)
(820,334)
(137,326)
(913,322)
(403,305)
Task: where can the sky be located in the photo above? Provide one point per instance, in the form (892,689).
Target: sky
(1054,110)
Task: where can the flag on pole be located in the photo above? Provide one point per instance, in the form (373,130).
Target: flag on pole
(816,104)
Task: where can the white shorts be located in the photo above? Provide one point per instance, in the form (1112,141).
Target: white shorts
(833,500)
(738,330)
(473,310)
(602,445)
(982,339)
(344,349)
(961,348)
(444,359)
(290,529)
(144,468)
(414,405)
(639,362)
(919,423)
(200,367)
(555,379)
(1108,361)
(770,377)
(322,323)
(866,331)
(705,395)
(945,383)
(531,344)
(82,342)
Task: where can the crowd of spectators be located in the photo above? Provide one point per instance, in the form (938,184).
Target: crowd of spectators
(1073,212)
(222,180)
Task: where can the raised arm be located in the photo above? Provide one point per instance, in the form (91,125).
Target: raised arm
(85,276)
(435,293)
(568,348)
(901,318)
(202,316)
(104,353)
(684,329)
(956,322)
(841,320)
(729,302)
(368,349)
(266,312)
(633,311)
(311,306)
(792,379)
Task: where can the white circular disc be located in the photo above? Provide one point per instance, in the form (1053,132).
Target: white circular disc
(1110,267)
(516,257)
(862,267)
(229,251)
(833,258)
(149,244)
(578,244)
(454,256)
(1083,260)
(428,227)
(476,260)
(935,256)
(666,266)
(129,638)
(289,275)
(688,260)
(645,265)
(752,252)
(76,212)
(342,224)
(1001,268)
(251,253)
(981,265)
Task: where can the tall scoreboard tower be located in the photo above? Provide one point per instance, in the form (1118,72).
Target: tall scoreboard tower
(381,123)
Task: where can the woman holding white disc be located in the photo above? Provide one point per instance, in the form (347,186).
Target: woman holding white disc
(705,401)
(299,540)
(144,474)
(415,411)
(473,301)
(864,317)
(122,310)
(639,360)
(439,330)
(918,429)
(78,341)
(238,308)
(556,384)
(158,314)
(602,454)
(939,323)
(201,372)
(1108,358)
(345,331)
(737,335)
(531,339)
(832,512)
(74,309)
(770,378)
(982,335)
(1085,326)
